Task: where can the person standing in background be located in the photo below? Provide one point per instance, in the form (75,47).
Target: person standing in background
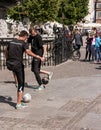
(78,39)
(88,46)
(97,48)
(93,47)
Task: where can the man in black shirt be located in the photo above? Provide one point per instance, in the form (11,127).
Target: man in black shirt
(14,62)
(38,48)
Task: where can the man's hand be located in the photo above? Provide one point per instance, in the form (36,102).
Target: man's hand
(42,59)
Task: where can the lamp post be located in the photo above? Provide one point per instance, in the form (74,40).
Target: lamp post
(20,10)
(83,21)
(18,3)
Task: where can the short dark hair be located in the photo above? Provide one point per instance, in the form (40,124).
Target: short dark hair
(32,28)
(23,33)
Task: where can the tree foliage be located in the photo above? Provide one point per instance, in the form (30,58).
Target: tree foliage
(40,11)
(36,10)
(74,11)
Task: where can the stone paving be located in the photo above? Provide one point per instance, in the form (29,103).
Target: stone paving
(71,100)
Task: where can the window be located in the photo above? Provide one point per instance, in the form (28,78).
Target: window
(99,5)
(98,15)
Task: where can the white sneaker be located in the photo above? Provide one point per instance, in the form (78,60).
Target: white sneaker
(20,106)
(16,85)
(50,75)
(41,87)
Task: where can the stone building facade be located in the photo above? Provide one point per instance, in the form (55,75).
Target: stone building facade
(98,11)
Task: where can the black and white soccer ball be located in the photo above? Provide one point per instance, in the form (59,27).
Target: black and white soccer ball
(27,97)
(45,80)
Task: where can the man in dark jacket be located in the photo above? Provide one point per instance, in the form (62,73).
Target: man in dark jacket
(78,39)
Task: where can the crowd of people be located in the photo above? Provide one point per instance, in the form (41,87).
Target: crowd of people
(93,43)
(93,46)
(74,39)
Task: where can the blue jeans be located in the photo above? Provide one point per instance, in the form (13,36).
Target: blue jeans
(97,53)
(93,52)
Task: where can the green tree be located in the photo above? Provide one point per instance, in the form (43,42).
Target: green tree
(40,11)
(74,11)
(36,10)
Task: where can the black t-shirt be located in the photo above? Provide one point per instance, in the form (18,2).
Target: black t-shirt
(36,44)
(16,48)
(89,41)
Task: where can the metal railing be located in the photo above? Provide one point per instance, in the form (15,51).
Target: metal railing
(61,47)
(26,59)
(57,51)
(3,44)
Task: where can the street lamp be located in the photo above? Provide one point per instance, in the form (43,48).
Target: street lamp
(18,3)
(83,21)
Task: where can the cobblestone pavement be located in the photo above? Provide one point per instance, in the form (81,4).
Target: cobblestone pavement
(71,100)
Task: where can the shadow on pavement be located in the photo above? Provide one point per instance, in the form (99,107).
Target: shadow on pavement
(99,68)
(8,100)
(31,86)
(9,82)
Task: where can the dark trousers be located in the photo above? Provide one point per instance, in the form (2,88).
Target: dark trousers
(20,77)
(88,52)
(78,47)
(36,65)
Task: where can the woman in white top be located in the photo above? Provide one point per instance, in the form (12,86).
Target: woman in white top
(93,48)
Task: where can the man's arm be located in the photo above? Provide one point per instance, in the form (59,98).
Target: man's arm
(44,50)
(29,52)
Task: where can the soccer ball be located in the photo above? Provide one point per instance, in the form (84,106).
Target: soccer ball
(26,98)
(45,80)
